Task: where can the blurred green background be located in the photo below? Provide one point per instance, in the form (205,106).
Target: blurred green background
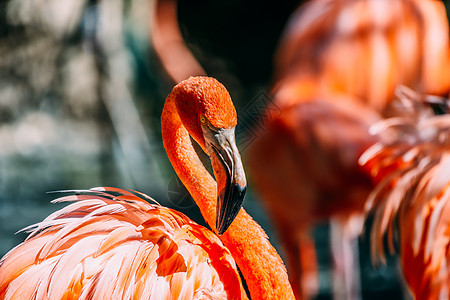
(81,93)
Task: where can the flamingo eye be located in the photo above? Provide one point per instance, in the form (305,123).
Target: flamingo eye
(203,120)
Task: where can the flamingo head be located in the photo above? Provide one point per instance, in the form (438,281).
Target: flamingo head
(206,110)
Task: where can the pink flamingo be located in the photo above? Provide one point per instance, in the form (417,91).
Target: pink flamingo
(112,243)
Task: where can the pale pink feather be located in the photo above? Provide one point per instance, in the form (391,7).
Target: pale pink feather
(111,243)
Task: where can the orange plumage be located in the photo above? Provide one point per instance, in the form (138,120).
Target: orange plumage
(337,67)
(411,164)
(364,48)
(111,243)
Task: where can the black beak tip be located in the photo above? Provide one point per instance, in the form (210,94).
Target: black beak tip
(228,210)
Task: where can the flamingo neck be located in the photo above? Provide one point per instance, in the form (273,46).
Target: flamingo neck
(260,264)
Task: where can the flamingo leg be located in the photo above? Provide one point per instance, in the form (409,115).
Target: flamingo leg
(301,260)
(293,265)
(346,273)
(309,280)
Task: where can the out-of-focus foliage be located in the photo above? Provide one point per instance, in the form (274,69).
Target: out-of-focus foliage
(71,115)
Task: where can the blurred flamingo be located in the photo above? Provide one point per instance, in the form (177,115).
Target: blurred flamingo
(305,166)
(411,165)
(112,243)
(337,67)
(176,59)
(364,48)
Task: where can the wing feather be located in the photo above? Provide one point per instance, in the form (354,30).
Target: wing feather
(113,243)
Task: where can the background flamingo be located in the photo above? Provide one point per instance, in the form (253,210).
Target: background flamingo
(104,245)
(168,43)
(363,49)
(337,67)
(411,164)
(313,174)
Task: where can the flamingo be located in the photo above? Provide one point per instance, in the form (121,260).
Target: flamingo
(312,172)
(112,243)
(410,165)
(337,67)
(364,48)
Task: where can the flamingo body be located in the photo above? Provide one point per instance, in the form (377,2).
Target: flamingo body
(314,148)
(112,243)
(411,202)
(312,174)
(365,49)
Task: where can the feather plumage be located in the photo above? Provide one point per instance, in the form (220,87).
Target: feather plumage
(411,164)
(112,243)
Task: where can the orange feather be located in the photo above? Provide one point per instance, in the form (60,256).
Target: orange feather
(412,199)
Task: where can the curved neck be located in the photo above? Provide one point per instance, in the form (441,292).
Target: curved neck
(260,264)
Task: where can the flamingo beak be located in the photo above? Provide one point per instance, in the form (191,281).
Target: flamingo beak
(229,173)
